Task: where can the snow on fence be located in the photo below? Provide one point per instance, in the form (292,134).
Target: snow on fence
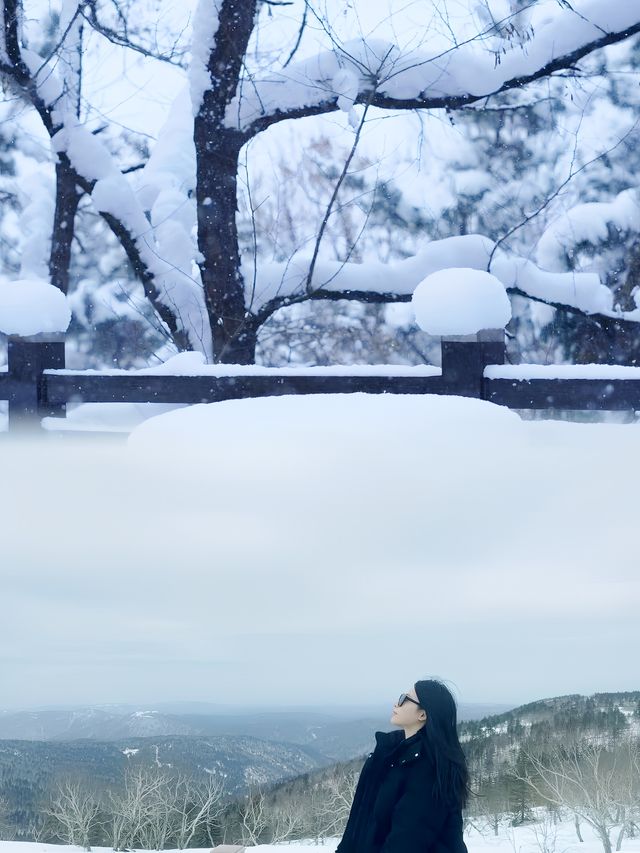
(37,385)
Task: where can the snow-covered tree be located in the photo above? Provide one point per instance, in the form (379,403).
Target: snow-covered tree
(595,227)
(75,811)
(176,217)
(591,778)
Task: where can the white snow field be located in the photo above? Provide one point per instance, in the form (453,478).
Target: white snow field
(560,838)
(223,542)
(424,465)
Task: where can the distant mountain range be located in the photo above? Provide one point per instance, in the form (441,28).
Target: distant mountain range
(244,749)
(238,761)
(338,735)
(97,745)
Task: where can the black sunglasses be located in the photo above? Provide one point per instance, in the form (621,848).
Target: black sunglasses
(404,697)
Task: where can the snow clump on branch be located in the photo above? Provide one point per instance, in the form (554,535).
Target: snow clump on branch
(38,193)
(346,84)
(399,279)
(205,29)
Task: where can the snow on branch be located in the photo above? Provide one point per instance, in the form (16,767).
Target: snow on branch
(37,193)
(165,250)
(588,224)
(415,79)
(281,284)
(159,246)
(206,21)
(12,57)
(583,291)
(159,251)
(165,188)
(4,59)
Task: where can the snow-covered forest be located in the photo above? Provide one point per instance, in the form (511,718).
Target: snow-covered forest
(549,835)
(565,767)
(263,180)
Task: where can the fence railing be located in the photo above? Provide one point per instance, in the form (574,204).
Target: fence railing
(36,383)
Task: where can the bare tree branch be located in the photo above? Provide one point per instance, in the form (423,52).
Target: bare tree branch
(174,57)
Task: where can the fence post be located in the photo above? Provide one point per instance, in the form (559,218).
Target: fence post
(28,358)
(464,358)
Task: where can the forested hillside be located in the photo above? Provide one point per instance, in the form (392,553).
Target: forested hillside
(259,791)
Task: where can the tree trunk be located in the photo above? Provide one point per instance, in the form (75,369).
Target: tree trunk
(234,334)
(217,152)
(576,822)
(603,832)
(67,200)
(621,833)
(624,294)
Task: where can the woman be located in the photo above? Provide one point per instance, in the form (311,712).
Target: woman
(414,785)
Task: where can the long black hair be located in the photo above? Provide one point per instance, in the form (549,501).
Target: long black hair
(440,735)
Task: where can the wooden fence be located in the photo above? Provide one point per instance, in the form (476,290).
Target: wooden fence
(36,383)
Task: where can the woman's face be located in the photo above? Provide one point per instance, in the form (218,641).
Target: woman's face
(408,714)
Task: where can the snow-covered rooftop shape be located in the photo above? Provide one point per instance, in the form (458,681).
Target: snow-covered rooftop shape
(31,307)
(460,301)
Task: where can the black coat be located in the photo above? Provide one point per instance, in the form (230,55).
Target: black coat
(394,809)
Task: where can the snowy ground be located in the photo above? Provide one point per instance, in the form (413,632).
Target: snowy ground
(275,540)
(559,839)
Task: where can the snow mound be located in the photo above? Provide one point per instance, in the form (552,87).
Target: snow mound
(319,427)
(31,307)
(460,301)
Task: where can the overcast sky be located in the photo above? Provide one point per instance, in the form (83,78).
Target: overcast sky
(320,568)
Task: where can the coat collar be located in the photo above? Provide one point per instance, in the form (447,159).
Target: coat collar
(389,740)
(408,749)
